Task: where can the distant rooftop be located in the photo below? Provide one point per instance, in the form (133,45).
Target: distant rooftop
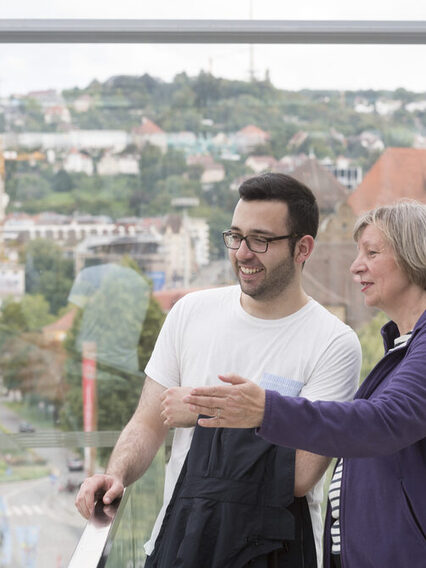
(398,173)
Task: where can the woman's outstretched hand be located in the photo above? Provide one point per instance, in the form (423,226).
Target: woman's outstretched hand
(238,404)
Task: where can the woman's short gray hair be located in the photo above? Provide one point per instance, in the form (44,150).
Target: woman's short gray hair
(404,225)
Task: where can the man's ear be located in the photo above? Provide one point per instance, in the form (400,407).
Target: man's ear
(304,248)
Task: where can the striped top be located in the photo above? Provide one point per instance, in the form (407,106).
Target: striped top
(336,481)
(334,497)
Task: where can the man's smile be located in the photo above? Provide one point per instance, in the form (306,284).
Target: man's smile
(249,270)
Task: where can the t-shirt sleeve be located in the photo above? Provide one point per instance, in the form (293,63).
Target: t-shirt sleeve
(163,365)
(336,373)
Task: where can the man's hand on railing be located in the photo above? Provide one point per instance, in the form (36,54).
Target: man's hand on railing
(104,515)
(98,486)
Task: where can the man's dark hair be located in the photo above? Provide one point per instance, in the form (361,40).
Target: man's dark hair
(303,214)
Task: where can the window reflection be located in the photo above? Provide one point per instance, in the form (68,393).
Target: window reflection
(113,200)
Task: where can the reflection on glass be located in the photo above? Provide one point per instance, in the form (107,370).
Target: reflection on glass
(113,198)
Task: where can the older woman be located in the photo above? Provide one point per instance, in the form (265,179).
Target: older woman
(377,510)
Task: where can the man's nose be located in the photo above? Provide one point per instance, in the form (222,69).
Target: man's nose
(243,251)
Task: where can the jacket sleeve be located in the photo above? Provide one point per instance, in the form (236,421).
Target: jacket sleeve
(391,420)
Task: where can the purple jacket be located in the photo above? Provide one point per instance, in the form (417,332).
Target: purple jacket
(381,435)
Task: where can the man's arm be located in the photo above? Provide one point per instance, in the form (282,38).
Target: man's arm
(175,413)
(141,438)
(133,453)
(309,469)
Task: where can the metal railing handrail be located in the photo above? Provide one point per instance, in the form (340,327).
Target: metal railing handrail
(59,439)
(213,31)
(95,543)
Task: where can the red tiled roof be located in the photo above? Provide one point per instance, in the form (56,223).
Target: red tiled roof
(250,130)
(148,127)
(62,324)
(398,173)
(205,160)
(168,298)
(269,159)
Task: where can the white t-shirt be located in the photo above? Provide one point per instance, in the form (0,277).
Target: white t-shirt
(310,353)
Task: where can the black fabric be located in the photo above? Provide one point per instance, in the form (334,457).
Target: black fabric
(233,504)
(335,561)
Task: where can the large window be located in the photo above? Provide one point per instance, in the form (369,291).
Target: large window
(119,168)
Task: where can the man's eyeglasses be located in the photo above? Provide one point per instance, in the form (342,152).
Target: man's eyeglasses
(255,244)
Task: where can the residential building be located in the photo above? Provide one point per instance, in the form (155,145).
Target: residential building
(47,98)
(327,277)
(289,163)
(171,249)
(327,189)
(63,229)
(260,164)
(248,138)
(149,133)
(12,281)
(213,174)
(186,142)
(116,140)
(371,141)
(83,103)
(416,106)
(57,114)
(114,164)
(56,332)
(76,161)
(386,107)
(363,106)
(344,171)
(298,139)
(398,173)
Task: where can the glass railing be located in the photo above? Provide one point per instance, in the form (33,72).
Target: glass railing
(115,535)
(135,173)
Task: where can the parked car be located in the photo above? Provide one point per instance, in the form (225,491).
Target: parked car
(75,463)
(71,486)
(26,427)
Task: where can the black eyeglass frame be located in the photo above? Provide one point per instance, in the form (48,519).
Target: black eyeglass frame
(267,240)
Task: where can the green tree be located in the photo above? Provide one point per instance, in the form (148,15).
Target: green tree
(12,316)
(62,181)
(35,309)
(48,272)
(30,186)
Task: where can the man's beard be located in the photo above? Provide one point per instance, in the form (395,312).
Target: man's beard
(278,280)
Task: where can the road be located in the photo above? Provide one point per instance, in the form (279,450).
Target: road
(39,525)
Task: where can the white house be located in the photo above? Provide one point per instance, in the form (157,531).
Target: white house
(261,163)
(249,138)
(78,162)
(12,281)
(115,164)
(149,133)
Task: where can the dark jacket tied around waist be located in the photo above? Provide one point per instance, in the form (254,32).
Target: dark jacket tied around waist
(234,505)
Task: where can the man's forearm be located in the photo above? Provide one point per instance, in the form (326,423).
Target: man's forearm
(134,452)
(308,471)
(141,437)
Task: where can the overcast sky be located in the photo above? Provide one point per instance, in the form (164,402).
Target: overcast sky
(30,67)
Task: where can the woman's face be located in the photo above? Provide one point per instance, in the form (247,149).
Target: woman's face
(383,283)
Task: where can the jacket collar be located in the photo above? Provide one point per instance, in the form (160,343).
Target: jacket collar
(390,331)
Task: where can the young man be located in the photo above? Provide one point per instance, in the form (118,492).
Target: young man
(266,328)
